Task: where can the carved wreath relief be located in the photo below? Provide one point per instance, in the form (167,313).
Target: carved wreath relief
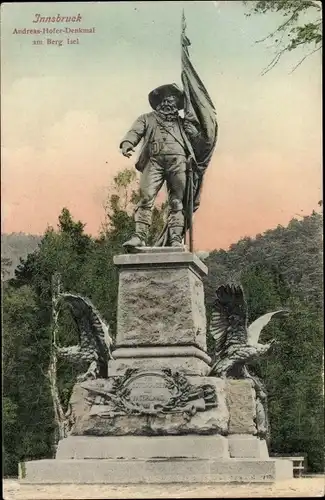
(151,393)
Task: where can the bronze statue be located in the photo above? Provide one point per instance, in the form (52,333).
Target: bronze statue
(175,150)
(164,156)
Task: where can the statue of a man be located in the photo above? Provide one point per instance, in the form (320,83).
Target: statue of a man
(167,147)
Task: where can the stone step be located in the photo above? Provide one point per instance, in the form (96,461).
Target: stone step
(150,471)
(142,447)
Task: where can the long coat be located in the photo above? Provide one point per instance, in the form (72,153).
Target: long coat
(144,128)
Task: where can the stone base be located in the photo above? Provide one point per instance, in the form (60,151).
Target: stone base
(161,352)
(187,364)
(246,446)
(134,447)
(142,447)
(158,459)
(150,471)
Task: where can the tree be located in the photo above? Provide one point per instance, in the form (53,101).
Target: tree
(295,30)
(123,194)
(6,264)
(28,415)
(64,251)
(295,385)
(10,422)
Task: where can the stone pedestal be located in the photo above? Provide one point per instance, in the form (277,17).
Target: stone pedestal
(161,321)
(156,471)
(158,417)
(158,459)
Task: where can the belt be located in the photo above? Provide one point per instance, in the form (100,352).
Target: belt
(157,147)
(169,154)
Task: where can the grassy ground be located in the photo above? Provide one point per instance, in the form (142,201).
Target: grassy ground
(301,487)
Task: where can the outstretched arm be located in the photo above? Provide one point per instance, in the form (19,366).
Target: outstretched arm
(133,136)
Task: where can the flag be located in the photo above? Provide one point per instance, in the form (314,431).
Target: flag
(198,109)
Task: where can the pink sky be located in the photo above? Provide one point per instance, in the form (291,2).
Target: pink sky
(61,125)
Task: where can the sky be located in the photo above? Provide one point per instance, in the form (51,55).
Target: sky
(65,109)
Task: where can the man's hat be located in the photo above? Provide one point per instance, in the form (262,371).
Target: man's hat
(157,95)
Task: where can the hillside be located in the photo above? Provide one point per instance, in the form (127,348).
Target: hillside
(294,253)
(15,246)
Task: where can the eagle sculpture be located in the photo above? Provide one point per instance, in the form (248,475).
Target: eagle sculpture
(236,343)
(95,342)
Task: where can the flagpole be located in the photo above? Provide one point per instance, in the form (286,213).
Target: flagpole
(187,186)
(188,225)
(190,171)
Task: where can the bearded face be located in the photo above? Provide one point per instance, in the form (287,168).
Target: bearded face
(168,108)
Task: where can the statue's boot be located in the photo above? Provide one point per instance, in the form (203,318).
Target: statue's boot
(132,243)
(176,228)
(176,236)
(139,237)
(142,219)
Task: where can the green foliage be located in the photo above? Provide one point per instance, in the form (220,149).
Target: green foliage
(28,416)
(10,421)
(120,203)
(6,264)
(293,374)
(294,31)
(292,253)
(27,334)
(295,386)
